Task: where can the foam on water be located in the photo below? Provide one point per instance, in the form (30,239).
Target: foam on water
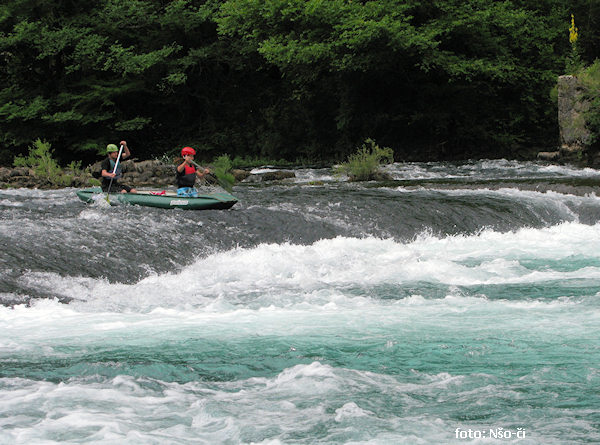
(327,404)
(288,275)
(99,200)
(9,203)
(490,169)
(344,288)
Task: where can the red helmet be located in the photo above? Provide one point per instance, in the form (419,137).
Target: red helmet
(188,151)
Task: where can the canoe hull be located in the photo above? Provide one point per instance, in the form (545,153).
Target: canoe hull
(168,201)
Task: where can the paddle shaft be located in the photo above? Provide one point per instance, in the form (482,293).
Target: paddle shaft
(197,165)
(114,171)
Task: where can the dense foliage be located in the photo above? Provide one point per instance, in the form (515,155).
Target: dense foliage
(286,79)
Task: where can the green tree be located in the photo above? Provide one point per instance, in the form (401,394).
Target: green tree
(285,79)
(445,74)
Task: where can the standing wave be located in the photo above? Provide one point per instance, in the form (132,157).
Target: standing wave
(552,261)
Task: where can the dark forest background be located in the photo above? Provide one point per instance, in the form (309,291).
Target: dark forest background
(287,79)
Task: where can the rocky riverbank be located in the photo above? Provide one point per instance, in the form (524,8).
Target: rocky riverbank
(150,174)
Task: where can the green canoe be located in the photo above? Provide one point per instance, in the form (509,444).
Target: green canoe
(167,200)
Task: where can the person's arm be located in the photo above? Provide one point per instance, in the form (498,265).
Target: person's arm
(185,162)
(108,174)
(201,174)
(105,171)
(126,153)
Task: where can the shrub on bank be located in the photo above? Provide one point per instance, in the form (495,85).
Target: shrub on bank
(364,165)
(40,159)
(222,170)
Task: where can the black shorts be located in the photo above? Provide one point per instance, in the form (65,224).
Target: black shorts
(116,187)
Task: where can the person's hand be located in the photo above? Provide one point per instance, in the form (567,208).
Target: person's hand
(206,171)
(124,143)
(111,175)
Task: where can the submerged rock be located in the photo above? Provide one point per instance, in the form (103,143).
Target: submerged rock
(548,155)
(278,175)
(376,176)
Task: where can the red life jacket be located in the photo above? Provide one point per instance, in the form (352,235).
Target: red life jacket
(187,177)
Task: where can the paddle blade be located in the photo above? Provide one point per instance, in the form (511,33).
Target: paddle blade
(99,200)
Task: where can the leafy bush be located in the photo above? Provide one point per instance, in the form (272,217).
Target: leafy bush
(40,160)
(364,164)
(222,170)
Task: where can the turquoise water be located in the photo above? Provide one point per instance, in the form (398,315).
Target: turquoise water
(405,312)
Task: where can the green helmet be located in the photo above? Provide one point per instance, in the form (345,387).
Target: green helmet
(111,147)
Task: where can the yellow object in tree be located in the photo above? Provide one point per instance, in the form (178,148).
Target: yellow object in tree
(573,31)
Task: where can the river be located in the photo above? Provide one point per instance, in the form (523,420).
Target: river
(457,303)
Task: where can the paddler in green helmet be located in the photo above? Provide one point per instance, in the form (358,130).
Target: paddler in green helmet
(110,174)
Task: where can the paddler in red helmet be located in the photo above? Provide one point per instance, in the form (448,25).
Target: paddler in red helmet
(187,173)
